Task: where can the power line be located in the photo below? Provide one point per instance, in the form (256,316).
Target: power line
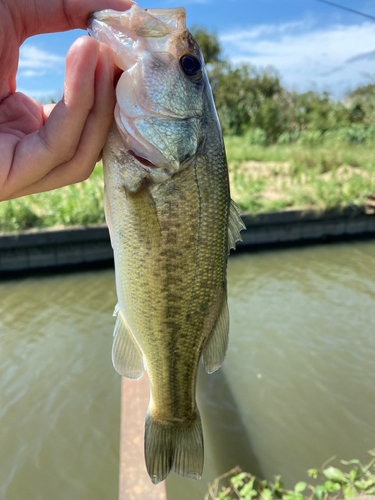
(348,9)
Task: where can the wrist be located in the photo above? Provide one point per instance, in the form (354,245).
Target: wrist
(12,25)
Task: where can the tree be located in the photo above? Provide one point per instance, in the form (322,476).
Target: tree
(208,42)
(361,103)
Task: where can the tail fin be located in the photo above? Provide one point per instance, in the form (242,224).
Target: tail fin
(174,446)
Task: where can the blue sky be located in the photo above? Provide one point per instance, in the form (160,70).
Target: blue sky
(312,45)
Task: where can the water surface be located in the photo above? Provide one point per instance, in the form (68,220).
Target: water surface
(59,396)
(297,386)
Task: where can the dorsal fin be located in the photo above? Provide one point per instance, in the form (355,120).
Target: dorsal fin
(235,225)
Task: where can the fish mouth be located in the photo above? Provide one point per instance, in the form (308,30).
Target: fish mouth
(133,35)
(114,28)
(107,26)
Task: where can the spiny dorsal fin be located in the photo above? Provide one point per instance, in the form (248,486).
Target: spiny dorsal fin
(216,348)
(235,225)
(126,356)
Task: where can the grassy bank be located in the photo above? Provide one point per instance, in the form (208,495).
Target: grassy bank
(78,204)
(279,177)
(331,174)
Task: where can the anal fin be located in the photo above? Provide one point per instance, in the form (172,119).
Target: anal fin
(235,225)
(126,356)
(216,348)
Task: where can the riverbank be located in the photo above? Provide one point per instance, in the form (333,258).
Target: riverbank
(307,177)
(87,247)
(321,176)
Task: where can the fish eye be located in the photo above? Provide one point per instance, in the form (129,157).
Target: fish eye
(191,65)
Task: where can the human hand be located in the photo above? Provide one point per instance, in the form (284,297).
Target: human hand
(46,147)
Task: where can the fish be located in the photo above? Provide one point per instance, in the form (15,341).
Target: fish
(172,224)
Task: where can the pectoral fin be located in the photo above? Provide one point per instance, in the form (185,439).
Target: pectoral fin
(126,356)
(235,225)
(107,213)
(215,350)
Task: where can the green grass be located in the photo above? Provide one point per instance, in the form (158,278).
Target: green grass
(332,174)
(326,155)
(327,176)
(77,204)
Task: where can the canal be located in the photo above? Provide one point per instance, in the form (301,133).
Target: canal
(297,386)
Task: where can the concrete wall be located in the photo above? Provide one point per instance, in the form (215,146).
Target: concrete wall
(297,227)
(55,248)
(85,247)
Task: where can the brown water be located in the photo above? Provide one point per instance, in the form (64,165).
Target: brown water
(297,387)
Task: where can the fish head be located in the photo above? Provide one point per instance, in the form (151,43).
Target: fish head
(161,92)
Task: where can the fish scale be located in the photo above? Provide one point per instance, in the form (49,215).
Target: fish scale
(171,222)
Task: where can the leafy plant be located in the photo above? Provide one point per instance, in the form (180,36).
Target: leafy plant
(357,479)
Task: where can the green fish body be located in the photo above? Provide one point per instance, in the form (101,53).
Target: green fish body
(171,222)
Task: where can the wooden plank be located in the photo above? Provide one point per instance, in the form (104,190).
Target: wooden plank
(135,483)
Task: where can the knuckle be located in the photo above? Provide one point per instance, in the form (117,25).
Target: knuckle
(81,103)
(46,144)
(61,154)
(82,170)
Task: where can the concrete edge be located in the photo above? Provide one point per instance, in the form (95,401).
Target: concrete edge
(294,216)
(86,247)
(135,483)
(53,236)
(97,232)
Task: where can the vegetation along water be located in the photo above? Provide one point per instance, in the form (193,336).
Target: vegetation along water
(285,149)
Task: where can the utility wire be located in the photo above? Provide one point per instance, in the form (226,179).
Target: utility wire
(348,9)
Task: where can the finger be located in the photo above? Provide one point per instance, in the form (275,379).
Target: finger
(80,10)
(57,140)
(20,115)
(95,132)
(47,110)
(63,15)
(94,135)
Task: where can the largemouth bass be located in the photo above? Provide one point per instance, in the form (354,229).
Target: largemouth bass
(172,224)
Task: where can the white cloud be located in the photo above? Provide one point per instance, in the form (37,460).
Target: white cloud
(190,2)
(332,58)
(43,95)
(37,59)
(172,3)
(265,30)
(29,73)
